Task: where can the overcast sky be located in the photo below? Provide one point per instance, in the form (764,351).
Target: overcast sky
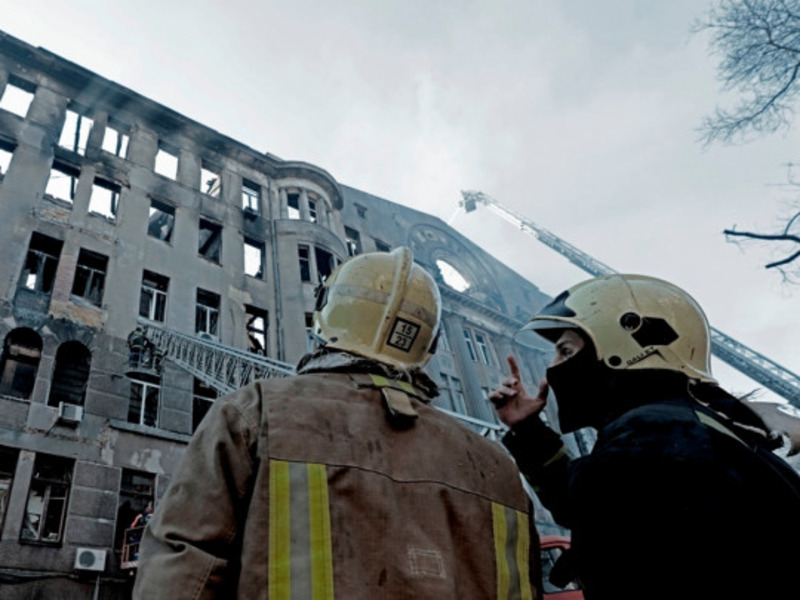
(580,114)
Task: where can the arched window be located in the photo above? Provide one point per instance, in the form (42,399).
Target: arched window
(20,362)
(71,374)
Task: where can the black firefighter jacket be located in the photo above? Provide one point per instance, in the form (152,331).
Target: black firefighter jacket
(670,504)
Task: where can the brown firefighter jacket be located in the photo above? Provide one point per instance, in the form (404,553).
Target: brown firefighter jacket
(301,488)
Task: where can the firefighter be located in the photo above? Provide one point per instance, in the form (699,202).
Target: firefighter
(681,496)
(341,481)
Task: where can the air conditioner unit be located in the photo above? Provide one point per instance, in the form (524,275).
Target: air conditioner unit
(69,413)
(90,559)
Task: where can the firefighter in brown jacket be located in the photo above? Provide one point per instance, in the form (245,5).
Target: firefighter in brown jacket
(342,482)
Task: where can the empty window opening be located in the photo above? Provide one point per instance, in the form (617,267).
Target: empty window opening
(70,374)
(115,142)
(22,351)
(8,466)
(251,197)
(470,345)
(257,319)
(90,276)
(16,99)
(304,255)
(353,241)
(382,246)
(210,240)
(254,258)
(143,401)
(41,263)
(166,163)
(105,198)
(483,348)
(206,320)
(63,181)
(203,397)
(210,181)
(46,507)
(6,154)
(326,263)
(161,221)
(361,211)
(293,205)
(136,491)
(153,299)
(452,277)
(75,133)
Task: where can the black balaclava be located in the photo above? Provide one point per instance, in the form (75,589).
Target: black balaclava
(589,393)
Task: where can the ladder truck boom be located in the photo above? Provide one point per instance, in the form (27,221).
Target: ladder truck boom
(756,366)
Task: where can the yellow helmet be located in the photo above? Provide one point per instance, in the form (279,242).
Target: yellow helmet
(635,322)
(382,306)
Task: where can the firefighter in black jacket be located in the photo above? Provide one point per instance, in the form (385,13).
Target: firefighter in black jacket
(681,497)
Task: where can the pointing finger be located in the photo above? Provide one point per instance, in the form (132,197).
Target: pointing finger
(513,366)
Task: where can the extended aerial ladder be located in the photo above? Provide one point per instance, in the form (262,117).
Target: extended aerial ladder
(754,365)
(226,369)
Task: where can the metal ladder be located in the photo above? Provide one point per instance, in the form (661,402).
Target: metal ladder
(227,369)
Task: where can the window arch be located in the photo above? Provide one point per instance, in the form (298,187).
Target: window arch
(22,351)
(71,374)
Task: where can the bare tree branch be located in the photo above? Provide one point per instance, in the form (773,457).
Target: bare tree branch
(758,42)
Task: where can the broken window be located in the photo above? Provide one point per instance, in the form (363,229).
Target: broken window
(166,163)
(483,348)
(41,263)
(304,255)
(257,319)
(22,351)
(326,263)
(161,221)
(115,142)
(203,397)
(210,181)
(254,258)
(63,181)
(17,97)
(312,210)
(70,374)
(8,466)
(251,196)
(143,401)
(206,320)
(90,276)
(210,240)
(353,239)
(75,133)
(153,298)
(293,205)
(6,153)
(382,246)
(105,198)
(136,491)
(46,508)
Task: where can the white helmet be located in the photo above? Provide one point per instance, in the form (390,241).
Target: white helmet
(382,306)
(634,322)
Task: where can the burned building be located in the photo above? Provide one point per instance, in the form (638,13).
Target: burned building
(117,212)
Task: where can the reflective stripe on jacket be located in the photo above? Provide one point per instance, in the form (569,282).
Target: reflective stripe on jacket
(300,488)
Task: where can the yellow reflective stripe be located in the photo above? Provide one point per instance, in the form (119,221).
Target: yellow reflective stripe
(280,582)
(320,533)
(381,381)
(512,553)
(523,556)
(500,534)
